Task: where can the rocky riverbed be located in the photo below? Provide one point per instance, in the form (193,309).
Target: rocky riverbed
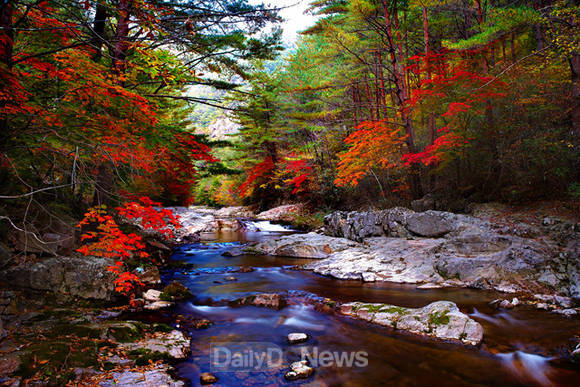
(440,249)
(100,341)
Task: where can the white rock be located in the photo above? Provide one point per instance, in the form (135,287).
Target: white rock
(294,338)
(158,376)
(152,295)
(158,305)
(441,319)
(174,343)
(299,370)
(566,312)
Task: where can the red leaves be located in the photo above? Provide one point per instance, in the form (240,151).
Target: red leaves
(300,168)
(259,170)
(159,220)
(455,108)
(111,242)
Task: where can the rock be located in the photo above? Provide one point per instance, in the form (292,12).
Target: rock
(299,370)
(53,243)
(158,245)
(245,269)
(267,300)
(430,224)
(505,304)
(85,277)
(173,343)
(9,363)
(208,378)
(565,302)
(5,256)
(426,203)
(295,338)
(158,305)
(566,312)
(430,286)
(152,295)
(506,288)
(285,213)
(156,376)
(235,252)
(441,319)
(235,212)
(502,304)
(175,291)
(108,314)
(435,247)
(542,305)
(230,278)
(309,245)
(148,275)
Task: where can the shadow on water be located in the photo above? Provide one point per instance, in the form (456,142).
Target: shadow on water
(521,346)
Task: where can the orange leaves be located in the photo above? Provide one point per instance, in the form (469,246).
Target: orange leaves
(374,145)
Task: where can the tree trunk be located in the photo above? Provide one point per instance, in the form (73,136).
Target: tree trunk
(121,34)
(6,51)
(99,23)
(401,99)
(104,181)
(575,114)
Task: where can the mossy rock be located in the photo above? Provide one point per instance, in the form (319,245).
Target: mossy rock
(81,331)
(126,332)
(175,291)
(143,356)
(439,318)
(54,360)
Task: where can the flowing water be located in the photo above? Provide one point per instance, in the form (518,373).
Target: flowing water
(521,347)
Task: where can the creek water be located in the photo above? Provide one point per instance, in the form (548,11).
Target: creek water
(523,346)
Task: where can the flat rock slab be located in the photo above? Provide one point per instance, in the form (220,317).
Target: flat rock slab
(266,300)
(309,245)
(441,319)
(155,377)
(174,343)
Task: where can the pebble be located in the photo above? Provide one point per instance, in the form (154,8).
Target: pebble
(294,338)
(299,370)
(208,378)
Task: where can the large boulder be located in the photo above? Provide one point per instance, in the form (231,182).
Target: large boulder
(85,277)
(441,319)
(442,248)
(235,212)
(394,222)
(285,213)
(309,245)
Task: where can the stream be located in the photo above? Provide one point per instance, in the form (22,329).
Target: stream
(522,346)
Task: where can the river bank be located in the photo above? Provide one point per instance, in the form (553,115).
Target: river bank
(211,285)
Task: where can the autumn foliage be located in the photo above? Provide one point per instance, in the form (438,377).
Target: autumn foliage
(104,238)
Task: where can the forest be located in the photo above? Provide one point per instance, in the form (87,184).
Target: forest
(131,128)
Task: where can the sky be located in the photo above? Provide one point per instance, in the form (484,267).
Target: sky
(295,19)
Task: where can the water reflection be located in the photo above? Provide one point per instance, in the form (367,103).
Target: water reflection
(519,346)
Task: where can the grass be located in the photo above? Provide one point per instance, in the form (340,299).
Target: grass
(439,318)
